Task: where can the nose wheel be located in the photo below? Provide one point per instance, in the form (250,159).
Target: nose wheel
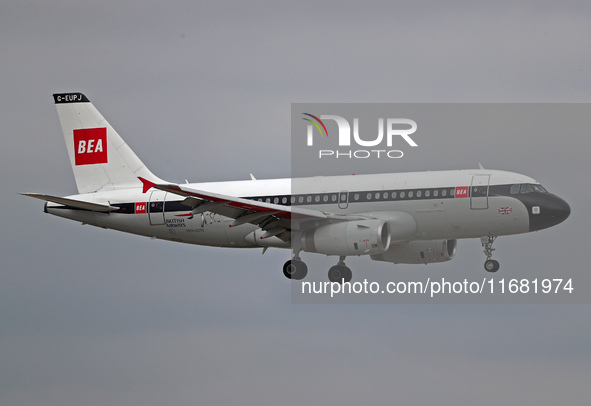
(490,265)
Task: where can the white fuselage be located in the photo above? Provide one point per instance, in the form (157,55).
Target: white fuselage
(438,201)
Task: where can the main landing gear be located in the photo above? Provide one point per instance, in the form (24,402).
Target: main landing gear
(490,265)
(297,269)
(340,272)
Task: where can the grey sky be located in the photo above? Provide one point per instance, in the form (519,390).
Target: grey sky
(90,316)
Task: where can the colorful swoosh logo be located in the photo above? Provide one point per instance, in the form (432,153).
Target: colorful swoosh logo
(325,132)
(188,215)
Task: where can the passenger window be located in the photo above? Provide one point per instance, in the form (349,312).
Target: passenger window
(410,194)
(515,189)
(402,194)
(436,193)
(356,197)
(393,195)
(427,193)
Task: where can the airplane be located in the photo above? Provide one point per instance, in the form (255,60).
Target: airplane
(409,218)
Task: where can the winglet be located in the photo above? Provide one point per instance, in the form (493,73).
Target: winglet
(147,184)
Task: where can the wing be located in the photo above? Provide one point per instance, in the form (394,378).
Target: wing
(276,219)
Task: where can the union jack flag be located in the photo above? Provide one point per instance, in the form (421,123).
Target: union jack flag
(505,210)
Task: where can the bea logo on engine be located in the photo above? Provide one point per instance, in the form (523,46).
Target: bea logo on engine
(90,146)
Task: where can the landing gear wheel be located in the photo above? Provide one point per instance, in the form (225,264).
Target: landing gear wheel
(294,269)
(490,265)
(338,273)
(349,274)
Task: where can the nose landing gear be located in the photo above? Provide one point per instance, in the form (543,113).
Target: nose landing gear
(490,265)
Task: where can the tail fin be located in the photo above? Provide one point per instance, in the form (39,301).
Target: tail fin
(100,159)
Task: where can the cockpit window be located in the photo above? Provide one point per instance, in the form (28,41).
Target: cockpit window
(539,188)
(526,188)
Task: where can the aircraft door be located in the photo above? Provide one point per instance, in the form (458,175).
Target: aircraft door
(479,192)
(343,199)
(156,207)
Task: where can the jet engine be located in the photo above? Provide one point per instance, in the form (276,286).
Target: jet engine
(417,252)
(358,237)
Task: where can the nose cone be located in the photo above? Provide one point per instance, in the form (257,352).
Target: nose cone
(547,211)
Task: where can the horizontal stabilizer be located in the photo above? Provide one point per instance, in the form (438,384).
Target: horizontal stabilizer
(79,204)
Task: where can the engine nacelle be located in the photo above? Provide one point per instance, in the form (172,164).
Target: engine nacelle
(402,224)
(359,237)
(417,252)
